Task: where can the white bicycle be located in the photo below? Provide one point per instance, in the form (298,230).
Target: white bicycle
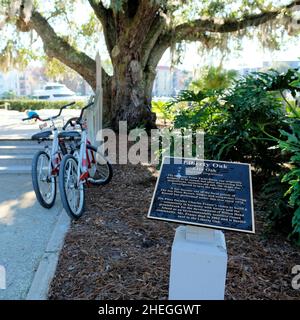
(86,165)
(46,163)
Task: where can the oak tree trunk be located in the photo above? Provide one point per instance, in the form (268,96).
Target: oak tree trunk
(131,88)
(130,36)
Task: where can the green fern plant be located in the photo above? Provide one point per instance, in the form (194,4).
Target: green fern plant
(292,146)
(162,110)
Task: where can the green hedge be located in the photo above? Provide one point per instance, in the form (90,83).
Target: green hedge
(22,105)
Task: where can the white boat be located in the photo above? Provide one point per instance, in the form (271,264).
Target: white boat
(54,91)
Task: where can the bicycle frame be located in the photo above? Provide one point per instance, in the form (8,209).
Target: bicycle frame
(84,161)
(82,172)
(79,169)
(54,155)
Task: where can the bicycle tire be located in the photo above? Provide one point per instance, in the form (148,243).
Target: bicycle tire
(35,183)
(109,167)
(62,189)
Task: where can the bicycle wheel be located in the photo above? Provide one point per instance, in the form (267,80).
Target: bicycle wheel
(101,170)
(44,184)
(72,194)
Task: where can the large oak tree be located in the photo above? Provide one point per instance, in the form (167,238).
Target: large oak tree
(137,33)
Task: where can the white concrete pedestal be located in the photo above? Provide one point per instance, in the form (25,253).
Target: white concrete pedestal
(198,264)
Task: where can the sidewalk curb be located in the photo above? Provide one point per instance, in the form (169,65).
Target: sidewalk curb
(47,266)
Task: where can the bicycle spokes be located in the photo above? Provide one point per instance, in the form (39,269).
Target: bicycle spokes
(44,181)
(73,188)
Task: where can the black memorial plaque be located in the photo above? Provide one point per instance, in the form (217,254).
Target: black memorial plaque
(214,194)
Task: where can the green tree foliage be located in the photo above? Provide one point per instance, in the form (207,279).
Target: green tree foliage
(236,121)
(15,57)
(162,109)
(136,35)
(213,78)
(254,122)
(57,71)
(292,146)
(282,192)
(202,109)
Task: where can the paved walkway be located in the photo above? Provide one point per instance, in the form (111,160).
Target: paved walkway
(12,126)
(25,229)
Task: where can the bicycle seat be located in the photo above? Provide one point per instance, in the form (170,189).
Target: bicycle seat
(69,135)
(43,135)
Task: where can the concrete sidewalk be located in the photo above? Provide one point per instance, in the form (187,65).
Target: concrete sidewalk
(25,230)
(12,126)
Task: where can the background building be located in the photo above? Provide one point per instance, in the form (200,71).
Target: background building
(9,82)
(280,66)
(169,81)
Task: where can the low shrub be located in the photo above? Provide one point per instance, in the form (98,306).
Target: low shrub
(24,104)
(283,196)
(211,77)
(251,119)
(241,123)
(202,109)
(292,146)
(161,110)
(255,122)
(275,203)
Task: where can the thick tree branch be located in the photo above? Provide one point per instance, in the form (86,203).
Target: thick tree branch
(140,24)
(144,9)
(162,44)
(57,47)
(107,21)
(60,49)
(134,22)
(155,31)
(193,30)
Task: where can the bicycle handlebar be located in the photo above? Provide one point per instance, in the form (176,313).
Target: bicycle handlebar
(82,111)
(35,116)
(29,118)
(69,122)
(77,119)
(60,111)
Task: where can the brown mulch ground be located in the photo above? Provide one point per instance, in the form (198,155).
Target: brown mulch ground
(115,252)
